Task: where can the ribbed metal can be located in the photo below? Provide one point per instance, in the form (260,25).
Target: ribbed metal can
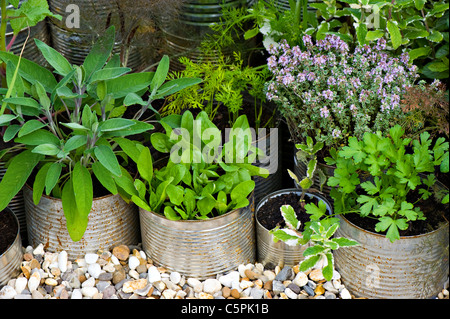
(74,42)
(270,143)
(200,248)
(184,32)
(270,253)
(413,267)
(11,259)
(17,206)
(112,222)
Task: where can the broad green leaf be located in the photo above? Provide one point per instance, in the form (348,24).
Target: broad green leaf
(100,52)
(327,271)
(132,99)
(345,242)
(115,124)
(30,126)
(16,175)
(108,74)
(39,183)
(6,118)
(316,211)
(288,236)
(38,137)
(82,189)
(129,147)
(171,214)
(173,86)
(139,202)
(52,177)
(75,220)
(331,230)
(310,262)
(30,71)
(396,36)
(419,52)
(120,87)
(103,175)
(107,158)
(46,149)
(54,58)
(242,190)
(290,217)
(145,164)
(419,4)
(374,35)
(206,205)
(313,250)
(75,142)
(175,194)
(11,132)
(160,74)
(435,36)
(26,101)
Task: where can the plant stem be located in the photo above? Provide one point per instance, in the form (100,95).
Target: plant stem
(3,26)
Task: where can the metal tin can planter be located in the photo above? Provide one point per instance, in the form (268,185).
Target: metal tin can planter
(184,32)
(411,267)
(200,248)
(75,40)
(112,222)
(11,258)
(273,254)
(270,143)
(17,206)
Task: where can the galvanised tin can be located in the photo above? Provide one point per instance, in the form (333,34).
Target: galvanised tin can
(11,259)
(112,222)
(200,248)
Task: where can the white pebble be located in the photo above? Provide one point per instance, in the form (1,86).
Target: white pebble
(175,277)
(94,270)
(300,279)
(7,292)
(153,274)
(169,294)
(290,293)
(39,250)
(211,286)
(143,255)
(193,282)
(345,294)
(89,291)
(114,260)
(34,281)
(76,294)
(21,284)
(62,261)
(133,262)
(91,258)
(88,283)
(229,278)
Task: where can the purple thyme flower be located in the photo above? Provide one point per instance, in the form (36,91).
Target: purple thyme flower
(328,94)
(324,112)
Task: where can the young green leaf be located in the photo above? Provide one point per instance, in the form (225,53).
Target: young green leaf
(290,217)
(56,59)
(39,183)
(82,189)
(103,175)
(145,164)
(76,221)
(108,159)
(52,177)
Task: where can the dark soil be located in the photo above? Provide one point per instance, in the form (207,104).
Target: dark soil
(436,215)
(8,230)
(269,214)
